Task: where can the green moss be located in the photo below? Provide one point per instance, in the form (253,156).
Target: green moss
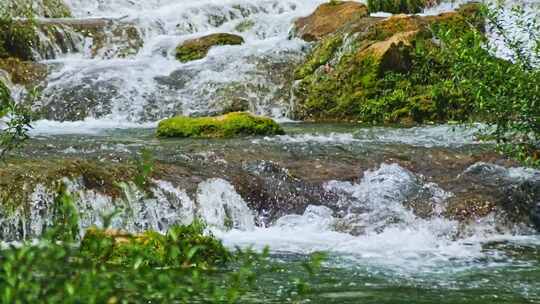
(182,246)
(245,25)
(42,8)
(320,56)
(229,125)
(409,84)
(19,177)
(17,38)
(198,48)
(398,6)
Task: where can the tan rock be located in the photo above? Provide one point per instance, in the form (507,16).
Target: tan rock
(328,18)
(391,54)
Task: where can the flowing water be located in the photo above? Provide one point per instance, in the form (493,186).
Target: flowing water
(380,201)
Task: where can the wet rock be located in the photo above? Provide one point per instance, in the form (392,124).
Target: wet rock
(514,191)
(225,126)
(272,191)
(195,49)
(328,18)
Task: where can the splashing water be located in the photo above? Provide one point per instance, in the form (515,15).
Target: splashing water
(147,83)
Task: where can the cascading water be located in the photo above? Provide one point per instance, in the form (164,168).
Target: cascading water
(129,72)
(395,208)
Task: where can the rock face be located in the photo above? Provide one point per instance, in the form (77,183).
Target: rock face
(374,70)
(195,49)
(328,18)
(228,125)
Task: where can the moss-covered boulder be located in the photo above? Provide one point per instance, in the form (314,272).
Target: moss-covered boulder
(195,49)
(328,18)
(228,125)
(400,6)
(383,70)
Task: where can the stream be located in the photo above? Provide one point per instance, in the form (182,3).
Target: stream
(394,208)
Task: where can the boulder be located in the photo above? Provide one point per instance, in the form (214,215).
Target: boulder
(373,69)
(228,125)
(195,49)
(328,18)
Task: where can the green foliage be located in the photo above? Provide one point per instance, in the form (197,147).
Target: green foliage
(369,77)
(229,125)
(506,92)
(65,217)
(397,6)
(42,8)
(183,246)
(186,265)
(145,168)
(18,124)
(198,48)
(17,37)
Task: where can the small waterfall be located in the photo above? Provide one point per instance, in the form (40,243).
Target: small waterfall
(221,207)
(115,60)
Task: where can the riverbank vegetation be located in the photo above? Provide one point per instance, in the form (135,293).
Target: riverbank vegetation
(185,265)
(411,70)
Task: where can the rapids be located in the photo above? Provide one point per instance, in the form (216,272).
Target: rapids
(380,200)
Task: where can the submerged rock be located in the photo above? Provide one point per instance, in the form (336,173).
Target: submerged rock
(195,49)
(228,125)
(328,18)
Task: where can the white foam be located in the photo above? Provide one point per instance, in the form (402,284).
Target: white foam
(425,136)
(88,126)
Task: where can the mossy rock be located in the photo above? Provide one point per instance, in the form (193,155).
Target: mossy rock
(18,178)
(182,246)
(225,126)
(196,49)
(384,70)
